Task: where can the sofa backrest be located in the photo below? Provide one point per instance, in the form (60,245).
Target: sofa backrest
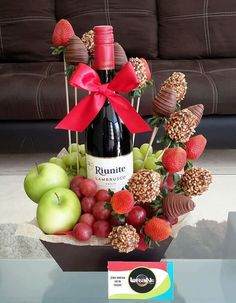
(169,29)
(134,21)
(26,28)
(197,28)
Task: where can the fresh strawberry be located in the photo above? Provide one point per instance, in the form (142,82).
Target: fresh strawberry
(174,159)
(122,202)
(63,32)
(195,147)
(142,245)
(157,229)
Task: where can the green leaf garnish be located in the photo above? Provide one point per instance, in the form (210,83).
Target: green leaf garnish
(188,165)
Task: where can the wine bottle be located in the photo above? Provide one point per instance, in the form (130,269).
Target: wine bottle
(108,141)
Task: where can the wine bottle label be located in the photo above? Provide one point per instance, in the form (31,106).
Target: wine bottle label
(110,173)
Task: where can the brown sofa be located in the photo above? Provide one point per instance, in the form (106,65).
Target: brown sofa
(195,37)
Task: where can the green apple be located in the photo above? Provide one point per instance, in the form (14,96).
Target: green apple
(58,161)
(73,148)
(44,177)
(58,210)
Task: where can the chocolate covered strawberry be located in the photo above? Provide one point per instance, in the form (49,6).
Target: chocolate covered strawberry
(122,202)
(157,229)
(195,147)
(63,32)
(147,69)
(174,159)
(141,70)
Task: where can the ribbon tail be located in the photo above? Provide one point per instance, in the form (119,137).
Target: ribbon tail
(133,121)
(83,113)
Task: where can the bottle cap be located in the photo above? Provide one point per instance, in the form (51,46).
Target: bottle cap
(103,34)
(103,47)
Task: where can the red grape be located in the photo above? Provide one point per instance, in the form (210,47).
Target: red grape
(77,180)
(74,185)
(101,229)
(114,221)
(87,204)
(137,216)
(102,195)
(88,188)
(87,218)
(149,210)
(82,231)
(100,212)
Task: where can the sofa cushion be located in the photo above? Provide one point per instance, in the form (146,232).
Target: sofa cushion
(134,21)
(26,29)
(210,82)
(197,29)
(35,91)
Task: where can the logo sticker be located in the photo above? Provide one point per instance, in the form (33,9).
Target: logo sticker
(140,280)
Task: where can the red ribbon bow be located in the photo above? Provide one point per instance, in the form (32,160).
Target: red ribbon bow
(82,115)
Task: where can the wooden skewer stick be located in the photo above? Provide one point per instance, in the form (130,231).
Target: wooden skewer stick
(67,95)
(154,132)
(132,101)
(132,104)
(77,134)
(162,153)
(138,104)
(137,110)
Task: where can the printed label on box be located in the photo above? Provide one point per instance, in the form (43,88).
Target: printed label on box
(140,280)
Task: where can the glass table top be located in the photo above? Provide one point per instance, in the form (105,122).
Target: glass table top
(42,281)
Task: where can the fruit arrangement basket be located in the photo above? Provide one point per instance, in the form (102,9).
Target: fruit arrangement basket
(70,258)
(82,220)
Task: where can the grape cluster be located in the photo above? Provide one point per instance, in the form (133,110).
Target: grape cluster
(69,161)
(95,219)
(152,159)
